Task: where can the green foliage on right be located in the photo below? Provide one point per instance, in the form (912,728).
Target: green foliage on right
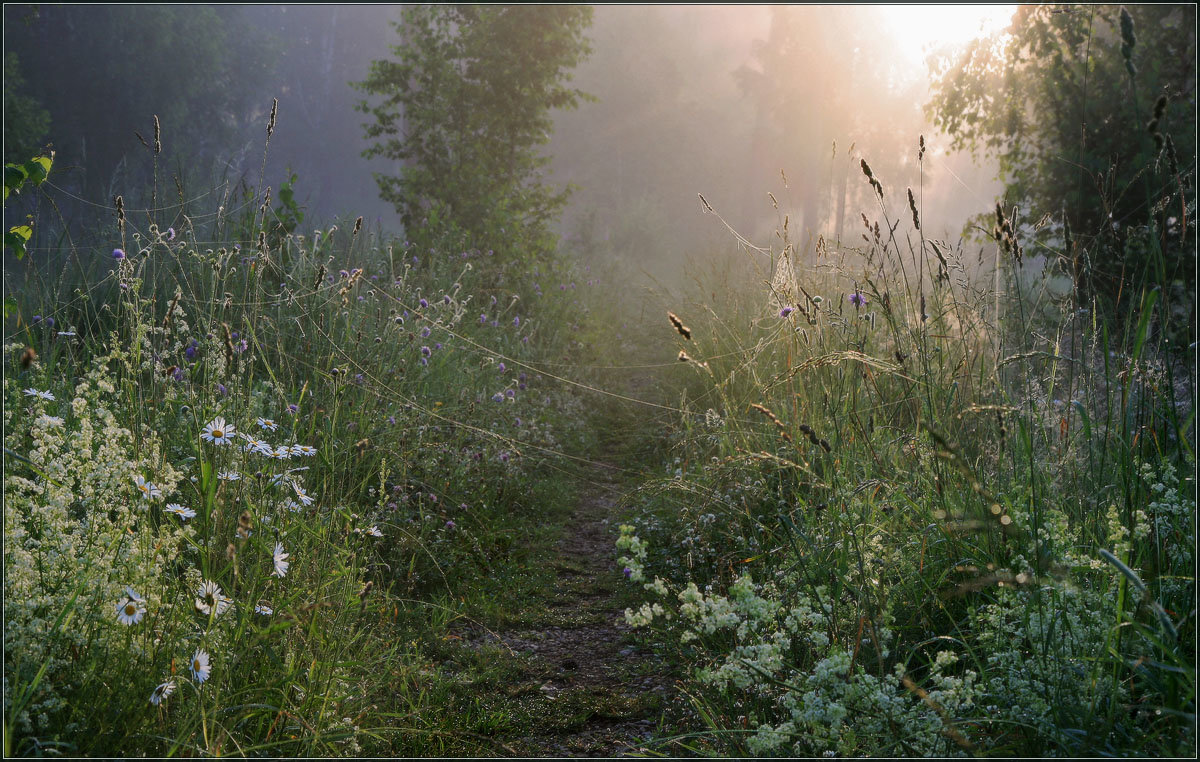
(1069,102)
(465,108)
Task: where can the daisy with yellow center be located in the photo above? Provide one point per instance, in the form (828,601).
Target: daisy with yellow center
(218,432)
(200,667)
(161,692)
(131,609)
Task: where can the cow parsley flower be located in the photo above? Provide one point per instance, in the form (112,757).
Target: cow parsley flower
(218,432)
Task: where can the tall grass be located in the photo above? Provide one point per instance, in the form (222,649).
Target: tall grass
(918,506)
(191,399)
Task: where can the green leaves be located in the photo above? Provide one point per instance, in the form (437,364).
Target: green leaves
(465,106)
(35,171)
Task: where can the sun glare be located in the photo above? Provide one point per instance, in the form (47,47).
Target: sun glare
(920,28)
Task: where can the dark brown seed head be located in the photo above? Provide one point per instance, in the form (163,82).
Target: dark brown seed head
(157,136)
(683,330)
(271,122)
(27,358)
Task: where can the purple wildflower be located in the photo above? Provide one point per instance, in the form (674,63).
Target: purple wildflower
(857,299)
(501,367)
(118,254)
(450,524)
(627,572)
(170,234)
(293,408)
(785,312)
(423,304)
(517,321)
(426,351)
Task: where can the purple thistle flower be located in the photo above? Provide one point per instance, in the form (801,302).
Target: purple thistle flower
(293,408)
(426,351)
(177,374)
(425,332)
(437,345)
(857,299)
(510,394)
(446,299)
(391,419)
(482,319)
(37,319)
(517,321)
(501,367)
(450,524)
(118,254)
(221,388)
(423,304)
(785,312)
(627,572)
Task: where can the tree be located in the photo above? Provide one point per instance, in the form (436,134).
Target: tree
(1065,100)
(104,71)
(466,107)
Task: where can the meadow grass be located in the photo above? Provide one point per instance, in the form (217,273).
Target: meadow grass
(916,507)
(254,477)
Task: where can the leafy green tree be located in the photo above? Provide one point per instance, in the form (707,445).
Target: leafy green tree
(104,71)
(465,108)
(1067,102)
(26,123)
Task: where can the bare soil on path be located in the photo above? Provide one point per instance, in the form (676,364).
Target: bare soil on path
(588,687)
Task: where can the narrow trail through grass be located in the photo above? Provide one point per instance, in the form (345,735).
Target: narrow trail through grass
(588,687)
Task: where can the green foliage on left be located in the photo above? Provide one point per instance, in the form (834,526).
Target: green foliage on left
(26,122)
(34,171)
(466,106)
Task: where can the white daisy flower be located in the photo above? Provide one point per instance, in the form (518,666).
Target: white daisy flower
(39,394)
(131,594)
(148,489)
(282,452)
(200,667)
(302,496)
(218,432)
(209,598)
(264,610)
(280,559)
(267,424)
(374,531)
(130,610)
(181,511)
(305,450)
(160,693)
(229,476)
(292,505)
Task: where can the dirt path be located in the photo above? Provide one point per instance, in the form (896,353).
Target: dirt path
(590,690)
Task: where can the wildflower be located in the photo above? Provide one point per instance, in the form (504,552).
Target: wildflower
(304,450)
(423,304)
(39,394)
(450,524)
(264,610)
(302,496)
(374,531)
(425,332)
(627,572)
(280,560)
(199,667)
(181,511)
(118,254)
(293,409)
(501,367)
(426,351)
(785,312)
(170,234)
(282,452)
(148,489)
(446,299)
(160,693)
(266,424)
(131,609)
(210,599)
(217,431)
(229,476)
(857,299)
(517,321)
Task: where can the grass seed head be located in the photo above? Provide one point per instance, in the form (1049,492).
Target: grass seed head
(683,330)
